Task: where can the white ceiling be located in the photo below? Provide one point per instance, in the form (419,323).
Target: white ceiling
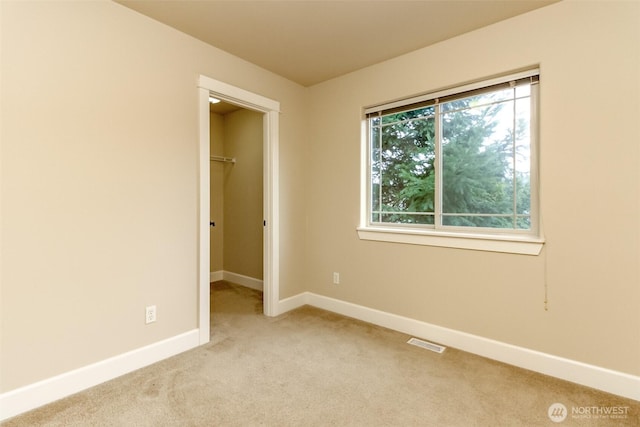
(310,41)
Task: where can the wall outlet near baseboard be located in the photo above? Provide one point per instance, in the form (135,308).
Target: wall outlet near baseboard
(150,314)
(336,278)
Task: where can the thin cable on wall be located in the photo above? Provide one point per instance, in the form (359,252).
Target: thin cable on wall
(546,284)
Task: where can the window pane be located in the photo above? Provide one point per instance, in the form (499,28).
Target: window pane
(375,168)
(486,162)
(478,100)
(523,90)
(478,221)
(523,156)
(477,159)
(523,222)
(408,115)
(406,167)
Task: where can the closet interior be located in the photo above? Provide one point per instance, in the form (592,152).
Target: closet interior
(236,202)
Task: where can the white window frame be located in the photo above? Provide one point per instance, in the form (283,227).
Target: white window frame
(498,240)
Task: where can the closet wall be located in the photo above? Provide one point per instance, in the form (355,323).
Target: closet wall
(237,194)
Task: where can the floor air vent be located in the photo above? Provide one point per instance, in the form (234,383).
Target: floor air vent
(426,344)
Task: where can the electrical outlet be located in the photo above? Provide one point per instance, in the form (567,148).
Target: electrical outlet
(150,315)
(336,278)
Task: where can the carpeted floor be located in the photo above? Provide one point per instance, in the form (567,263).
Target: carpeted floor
(314,368)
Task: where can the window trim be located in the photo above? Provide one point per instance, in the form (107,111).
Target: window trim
(506,241)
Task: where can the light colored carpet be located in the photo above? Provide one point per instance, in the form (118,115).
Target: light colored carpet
(314,368)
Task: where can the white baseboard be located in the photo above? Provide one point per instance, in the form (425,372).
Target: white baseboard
(24,399)
(293,302)
(239,279)
(215,276)
(607,380)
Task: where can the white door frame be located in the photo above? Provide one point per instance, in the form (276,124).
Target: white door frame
(271,112)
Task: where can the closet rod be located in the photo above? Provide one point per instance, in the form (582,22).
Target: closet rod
(223,159)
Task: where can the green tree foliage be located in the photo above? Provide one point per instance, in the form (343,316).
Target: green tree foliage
(479,173)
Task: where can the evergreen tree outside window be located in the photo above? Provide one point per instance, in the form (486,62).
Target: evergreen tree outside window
(461,160)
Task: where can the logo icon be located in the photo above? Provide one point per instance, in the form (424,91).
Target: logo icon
(557,412)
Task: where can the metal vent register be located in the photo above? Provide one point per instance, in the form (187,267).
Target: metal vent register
(426,344)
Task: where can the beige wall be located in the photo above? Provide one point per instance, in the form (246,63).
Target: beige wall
(243,194)
(100,181)
(216,176)
(590,187)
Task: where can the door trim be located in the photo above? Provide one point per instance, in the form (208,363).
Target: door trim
(271,115)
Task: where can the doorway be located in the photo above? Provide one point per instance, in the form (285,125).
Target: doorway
(270,122)
(236,171)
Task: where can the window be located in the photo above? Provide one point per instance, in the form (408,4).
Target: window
(458,163)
